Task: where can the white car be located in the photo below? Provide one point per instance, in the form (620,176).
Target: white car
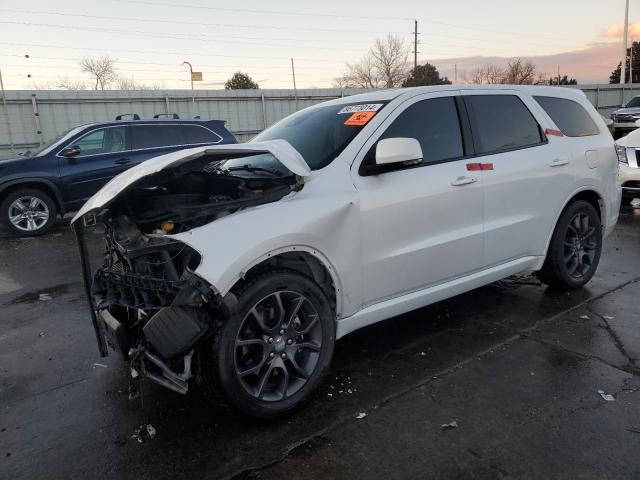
(237,267)
(628,149)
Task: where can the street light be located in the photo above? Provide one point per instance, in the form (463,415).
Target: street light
(193,98)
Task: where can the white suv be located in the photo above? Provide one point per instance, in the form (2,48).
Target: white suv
(236,267)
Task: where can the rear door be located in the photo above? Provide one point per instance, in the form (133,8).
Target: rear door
(103,154)
(527,175)
(421,225)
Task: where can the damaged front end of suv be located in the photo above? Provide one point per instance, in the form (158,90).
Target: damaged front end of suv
(146,300)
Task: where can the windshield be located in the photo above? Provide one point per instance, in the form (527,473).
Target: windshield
(634,102)
(49,145)
(321,134)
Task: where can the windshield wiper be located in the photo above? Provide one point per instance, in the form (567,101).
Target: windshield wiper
(252,169)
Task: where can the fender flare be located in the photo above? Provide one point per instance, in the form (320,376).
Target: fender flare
(43,181)
(316,253)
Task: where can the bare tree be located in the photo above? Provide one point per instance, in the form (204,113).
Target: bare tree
(383,66)
(67,84)
(132,84)
(101,69)
(390,60)
(361,74)
(517,72)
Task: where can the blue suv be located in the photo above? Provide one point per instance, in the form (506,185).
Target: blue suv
(61,175)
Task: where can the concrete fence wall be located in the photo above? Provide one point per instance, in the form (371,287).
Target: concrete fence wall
(30,118)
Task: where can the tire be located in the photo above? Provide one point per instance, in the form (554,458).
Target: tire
(40,209)
(269,373)
(575,248)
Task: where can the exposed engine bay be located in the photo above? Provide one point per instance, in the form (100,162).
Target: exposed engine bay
(147,302)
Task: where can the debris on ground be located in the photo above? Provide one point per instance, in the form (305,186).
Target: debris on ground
(584,317)
(607,396)
(361,415)
(447,426)
(102,365)
(607,317)
(41,334)
(144,432)
(44,297)
(422,354)
(134,373)
(633,430)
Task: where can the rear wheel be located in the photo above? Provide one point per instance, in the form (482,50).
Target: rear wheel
(273,352)
(28,212)
(575,248)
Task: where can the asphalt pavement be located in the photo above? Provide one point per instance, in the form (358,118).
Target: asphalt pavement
(512,380)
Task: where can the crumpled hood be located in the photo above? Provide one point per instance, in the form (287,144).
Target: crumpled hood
(280,149)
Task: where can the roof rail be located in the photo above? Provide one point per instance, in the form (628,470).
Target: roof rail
(172,115)
(135,116)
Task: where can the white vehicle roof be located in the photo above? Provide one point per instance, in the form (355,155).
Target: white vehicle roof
(387,95)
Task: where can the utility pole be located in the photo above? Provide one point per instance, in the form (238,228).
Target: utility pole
(295,90)
(631,62)
(193,96)
(415,45)
(623,70)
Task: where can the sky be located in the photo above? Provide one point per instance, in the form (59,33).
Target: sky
(149,39)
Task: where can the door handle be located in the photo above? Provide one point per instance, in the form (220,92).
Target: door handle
(122,161)
(458,182)
(558,162)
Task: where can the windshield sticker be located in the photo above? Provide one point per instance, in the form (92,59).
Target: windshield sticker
(368,107)
(359,118)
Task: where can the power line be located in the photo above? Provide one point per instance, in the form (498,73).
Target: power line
(75,60)
(265,12)
(167,52)
(204,24)
(314,14)
(177,36)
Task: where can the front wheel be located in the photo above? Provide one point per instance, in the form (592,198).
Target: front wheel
(273,352)
(575,248)
(28,212)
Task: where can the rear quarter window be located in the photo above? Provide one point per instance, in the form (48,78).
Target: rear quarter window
(501,123)
(197,134)
(570,117)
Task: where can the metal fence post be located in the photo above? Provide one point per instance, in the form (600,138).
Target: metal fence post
(264,113)
(6,113)
(36,115)
(166,104)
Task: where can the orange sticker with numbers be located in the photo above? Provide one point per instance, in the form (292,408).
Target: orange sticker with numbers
(359,118)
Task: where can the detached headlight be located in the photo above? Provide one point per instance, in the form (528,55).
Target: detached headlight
(622,154)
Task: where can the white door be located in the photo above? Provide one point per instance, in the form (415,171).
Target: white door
(527,175)
(421,225)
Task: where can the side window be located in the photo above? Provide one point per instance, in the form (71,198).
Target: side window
(197,134)
(103,140)
(570,117)
(154,136)
(501,122)
(435,124)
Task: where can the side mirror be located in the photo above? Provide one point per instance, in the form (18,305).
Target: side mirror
(398,150)
(70,152)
